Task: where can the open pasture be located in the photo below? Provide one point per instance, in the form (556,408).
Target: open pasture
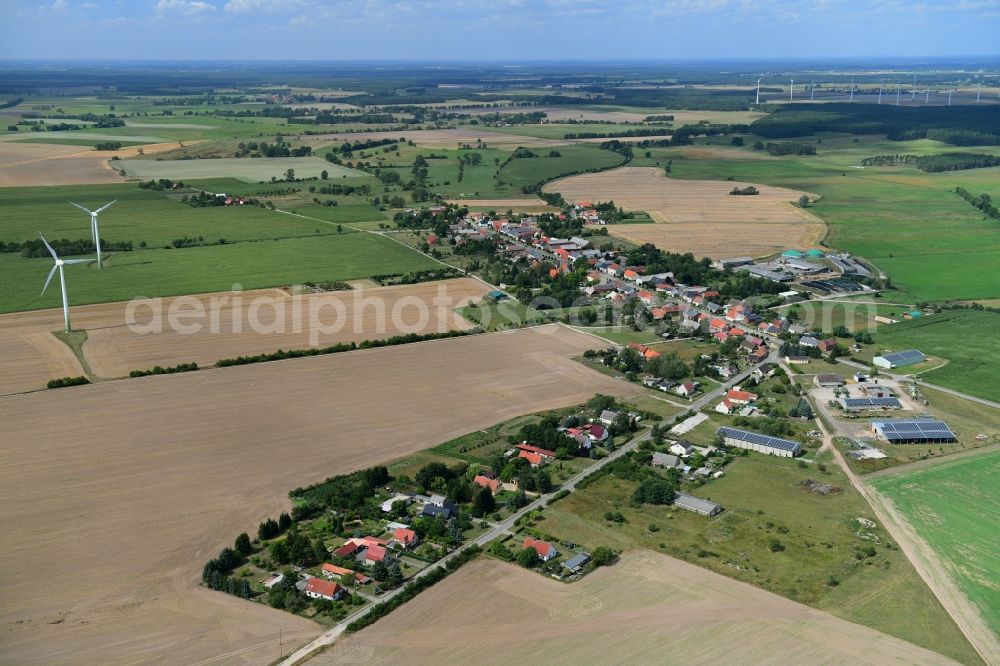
(646,609)
(952,506)
(246,169)
(698,216)
(146,500)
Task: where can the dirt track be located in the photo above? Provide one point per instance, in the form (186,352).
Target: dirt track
(32,355)
(698,216)
(649,608)
(114,495)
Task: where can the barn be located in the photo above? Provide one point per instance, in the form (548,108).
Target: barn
(913,431)
(754,441)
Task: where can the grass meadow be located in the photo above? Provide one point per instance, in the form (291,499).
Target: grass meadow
(953,506)
(820,535)
(572,159)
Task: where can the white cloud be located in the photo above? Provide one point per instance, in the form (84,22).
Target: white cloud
(186,7)
(262,6)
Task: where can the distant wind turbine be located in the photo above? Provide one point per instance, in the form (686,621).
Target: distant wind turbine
(62,278)
(927,97)
(913,92)
(791,91)
(897,93)
(758,89)
(949,96)
(94,231)
(880,93)
(979,91)
(852,92)
(812,91)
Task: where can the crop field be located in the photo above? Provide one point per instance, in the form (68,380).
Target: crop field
(952,506)
(764,502)
(250,170)
(45,164)
(30,355)
(641,609)
(145,500)
(530,171)
(855,315)
(699,217)
(964,337)
(911,224)
(438,138)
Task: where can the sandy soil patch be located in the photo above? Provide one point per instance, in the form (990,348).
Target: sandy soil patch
(115,494)
(43,164)
(699,216)
(440,138)
(646,607)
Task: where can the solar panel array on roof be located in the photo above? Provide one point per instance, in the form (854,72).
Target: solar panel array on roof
(865,403)
(757,438)
(910,429)
(908,356)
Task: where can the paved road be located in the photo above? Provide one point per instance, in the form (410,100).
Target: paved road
(921,382)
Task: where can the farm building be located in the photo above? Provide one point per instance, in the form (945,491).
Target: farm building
(735,262)
(874,390)
(665,460)
(829,380)
(865,404)
(912,431)
(577,562)
(753,441)
(696,504)
(898,359)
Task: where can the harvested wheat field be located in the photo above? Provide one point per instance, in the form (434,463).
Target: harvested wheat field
(527,205)
(698,216)
(263,321)
(114,495)
(43,164)
(648,608)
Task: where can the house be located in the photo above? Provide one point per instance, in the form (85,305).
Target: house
(739,397)
(577,562)
(753,441)
(597,433)
(827,345)
(645,351)
(665,460)
(696,504)
(808,341)
(375,554)
(681,448)
(535,455)
(387,505)
(762,372)
(608,417)
(899,359)
(726,406)
(829,380)
(912,431)
(348,549)
(485,482)
(405,537)
(687,389)
(437,500)
(449,510)
(333,571)
(317,588)
(545,550)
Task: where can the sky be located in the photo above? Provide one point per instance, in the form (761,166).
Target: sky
(494,29)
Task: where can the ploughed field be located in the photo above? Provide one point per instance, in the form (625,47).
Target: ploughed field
(698,216)
(648,608)
(139,482)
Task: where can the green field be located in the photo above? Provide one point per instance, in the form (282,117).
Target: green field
(250,170)
(573,159)
(967,338)
(953,506)
(820,535)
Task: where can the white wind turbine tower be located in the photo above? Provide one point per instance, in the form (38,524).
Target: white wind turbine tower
(758,90)
(791,91)
(852,92)
(94,231)
(812,91)
(880,93)
(897,93)
(62,278)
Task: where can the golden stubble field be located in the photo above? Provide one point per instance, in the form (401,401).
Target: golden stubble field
(647,609)
(114,495)
(30,355)
(46,164)
(698,216)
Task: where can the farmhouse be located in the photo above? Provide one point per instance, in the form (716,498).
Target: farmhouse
(534,455)
(864,404)
(486,482)
(545,550)
(405,537)
(332,570)
(773,446)
(739,397)
(829,380)
(681,448)
(913,431)
(899,359)
(317,588)
(665,460)
(696,504)
(687,389)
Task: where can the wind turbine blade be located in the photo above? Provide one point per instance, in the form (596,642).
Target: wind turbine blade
(55,267)
(80,207)
(106,206)
(48,247)
(77,261)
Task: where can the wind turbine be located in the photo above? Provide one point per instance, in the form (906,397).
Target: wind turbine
(94,231)
(852,92)
(979,91)
(880,93)
(897,93)
(913,92)
(62,278)
(758,90)
(791,91)
(949,96)
(812,91)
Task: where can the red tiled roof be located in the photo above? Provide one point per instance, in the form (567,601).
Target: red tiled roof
(492,484)
(543,548)
(404,535)
(376,553)
(534,449)
(532,458)
(326,588)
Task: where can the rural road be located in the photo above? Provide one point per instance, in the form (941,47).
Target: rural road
(923,558)
(331,635)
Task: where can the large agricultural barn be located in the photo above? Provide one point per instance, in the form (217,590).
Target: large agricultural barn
(913,431)
(864,404)
(898,359)
(772,446)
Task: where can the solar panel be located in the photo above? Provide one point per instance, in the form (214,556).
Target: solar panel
(914,429)
(757,438)
(871,402)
